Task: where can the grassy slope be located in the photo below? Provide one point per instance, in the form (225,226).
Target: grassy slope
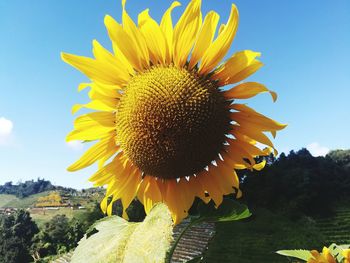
(257,239)
(5,199)
(27,201)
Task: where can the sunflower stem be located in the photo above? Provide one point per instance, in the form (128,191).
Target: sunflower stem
(177,240)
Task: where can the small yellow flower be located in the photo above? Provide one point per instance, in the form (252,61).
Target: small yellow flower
(346,255)
(170,130)
(324,257)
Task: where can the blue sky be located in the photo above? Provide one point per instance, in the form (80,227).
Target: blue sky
(305,46)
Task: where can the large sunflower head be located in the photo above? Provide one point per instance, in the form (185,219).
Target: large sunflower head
(165,129)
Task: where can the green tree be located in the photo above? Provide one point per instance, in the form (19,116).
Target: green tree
(16,235)
(298,184)
(58,236)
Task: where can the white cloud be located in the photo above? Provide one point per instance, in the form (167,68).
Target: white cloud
(75,145)
(316,149)
(6,127)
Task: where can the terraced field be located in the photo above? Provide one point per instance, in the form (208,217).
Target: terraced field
(336,229)
(257,239)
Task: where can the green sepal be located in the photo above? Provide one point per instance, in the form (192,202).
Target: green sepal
(296,253)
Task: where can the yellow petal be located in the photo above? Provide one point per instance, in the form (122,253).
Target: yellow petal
(186,195)
(149,193)
(104,56)
(123,59)
(205,37)
(166,25)
(89,134)
(102,99)
(94,105)
(249,116)
(111,167)
(154,36)
(94,69)
(245,73)
(233,160)
(129,191)
(249,148)
(259,166)
(105,119)
(136,37)
(124,42)
(104,204)
(105,147)
(239,150)
(221,44)
(178,199)
(234,65)
(224,177)
(106,94)
(254,134)
(185,32)
(92,126)
(248,90)
(210,185)
(221,28)
(197,188)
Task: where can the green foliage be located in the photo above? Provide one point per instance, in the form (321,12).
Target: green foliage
(89,217)
(58,236)
(16,234)
(298,184)
(258,237)
(341,157)
(229,210)
(27,188)
(117,240)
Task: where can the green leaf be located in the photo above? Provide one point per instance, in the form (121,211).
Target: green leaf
(116,240)
(107,245)
(229,210)
(152,238)
(296,253)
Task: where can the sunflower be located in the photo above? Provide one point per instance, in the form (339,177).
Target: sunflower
(165,128)
(324,257)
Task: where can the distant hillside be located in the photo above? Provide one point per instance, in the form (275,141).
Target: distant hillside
(5,199)
(13,201)
(26,188)
(31,187)
(341,157)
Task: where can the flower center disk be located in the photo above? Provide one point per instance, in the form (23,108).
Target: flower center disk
(172,122)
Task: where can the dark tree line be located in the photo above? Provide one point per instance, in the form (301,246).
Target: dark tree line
(31,187)
(24,189)
(300,184)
